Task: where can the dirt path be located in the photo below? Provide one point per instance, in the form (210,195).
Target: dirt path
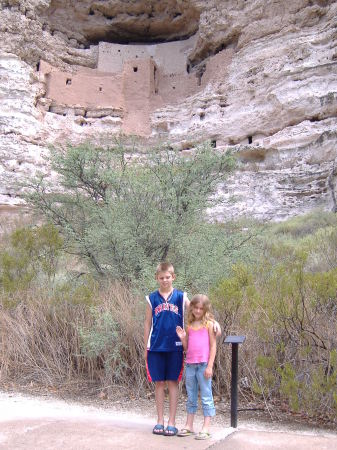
(37,423)
(30,423)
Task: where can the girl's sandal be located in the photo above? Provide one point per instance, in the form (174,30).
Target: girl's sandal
(185,432)
(203,435)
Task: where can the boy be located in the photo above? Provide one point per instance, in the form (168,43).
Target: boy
(163,349)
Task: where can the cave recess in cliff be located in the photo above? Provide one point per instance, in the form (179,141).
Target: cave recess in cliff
(124,22)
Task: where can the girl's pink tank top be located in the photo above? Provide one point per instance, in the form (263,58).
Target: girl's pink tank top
(198,345)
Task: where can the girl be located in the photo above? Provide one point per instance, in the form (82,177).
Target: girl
(200,345)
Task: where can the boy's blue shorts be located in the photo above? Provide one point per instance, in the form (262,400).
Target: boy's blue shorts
(165,366)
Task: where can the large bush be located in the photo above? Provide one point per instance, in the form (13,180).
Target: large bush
(123,212)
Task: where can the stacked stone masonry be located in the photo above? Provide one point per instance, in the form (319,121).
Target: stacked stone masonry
(130,80)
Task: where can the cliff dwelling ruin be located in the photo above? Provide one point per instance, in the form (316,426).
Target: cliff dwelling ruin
(257,78)
(130,82)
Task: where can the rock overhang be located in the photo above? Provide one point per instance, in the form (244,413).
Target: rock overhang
(124,22)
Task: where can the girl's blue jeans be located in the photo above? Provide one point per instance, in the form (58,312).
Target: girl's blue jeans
(194,380)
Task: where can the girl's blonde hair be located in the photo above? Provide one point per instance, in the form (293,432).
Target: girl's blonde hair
(206,304)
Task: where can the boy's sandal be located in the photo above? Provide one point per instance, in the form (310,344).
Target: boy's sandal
(158,429)
(170,430)
(185,432)
(203,435)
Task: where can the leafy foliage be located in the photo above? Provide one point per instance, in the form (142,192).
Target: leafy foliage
(102,341)
(289,314)
(124,212)
(29,253)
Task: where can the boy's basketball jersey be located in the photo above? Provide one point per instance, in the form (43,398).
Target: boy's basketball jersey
(166,316)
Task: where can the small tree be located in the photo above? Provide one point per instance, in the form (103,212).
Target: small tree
(124,212)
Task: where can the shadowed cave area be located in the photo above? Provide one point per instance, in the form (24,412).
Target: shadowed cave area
(123,22)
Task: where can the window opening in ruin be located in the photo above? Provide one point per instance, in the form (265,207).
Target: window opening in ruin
(135,69)
(68,81)
(91,12)
(202,116)
(38,66)
(250,139)
(100,89)
(213,143)
(155,80)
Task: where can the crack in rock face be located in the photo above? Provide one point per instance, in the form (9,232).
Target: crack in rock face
(123,21)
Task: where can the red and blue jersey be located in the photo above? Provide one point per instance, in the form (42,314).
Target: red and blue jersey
(166,316)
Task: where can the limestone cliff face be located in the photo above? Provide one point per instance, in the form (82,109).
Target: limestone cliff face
(260,79)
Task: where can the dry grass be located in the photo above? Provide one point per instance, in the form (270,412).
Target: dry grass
(40,339)
(41,342)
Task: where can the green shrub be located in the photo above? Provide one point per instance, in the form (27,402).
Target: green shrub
(307,224)
(289,386)
(30,252)
(122,216)
(78,291)
(289,315)
(102,341)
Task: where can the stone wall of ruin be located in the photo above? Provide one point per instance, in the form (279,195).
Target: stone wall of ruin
(169,57)
(85,88)
(132,79)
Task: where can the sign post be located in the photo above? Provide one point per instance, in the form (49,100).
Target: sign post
(235,341)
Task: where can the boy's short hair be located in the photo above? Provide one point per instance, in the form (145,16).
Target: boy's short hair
(165,267)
